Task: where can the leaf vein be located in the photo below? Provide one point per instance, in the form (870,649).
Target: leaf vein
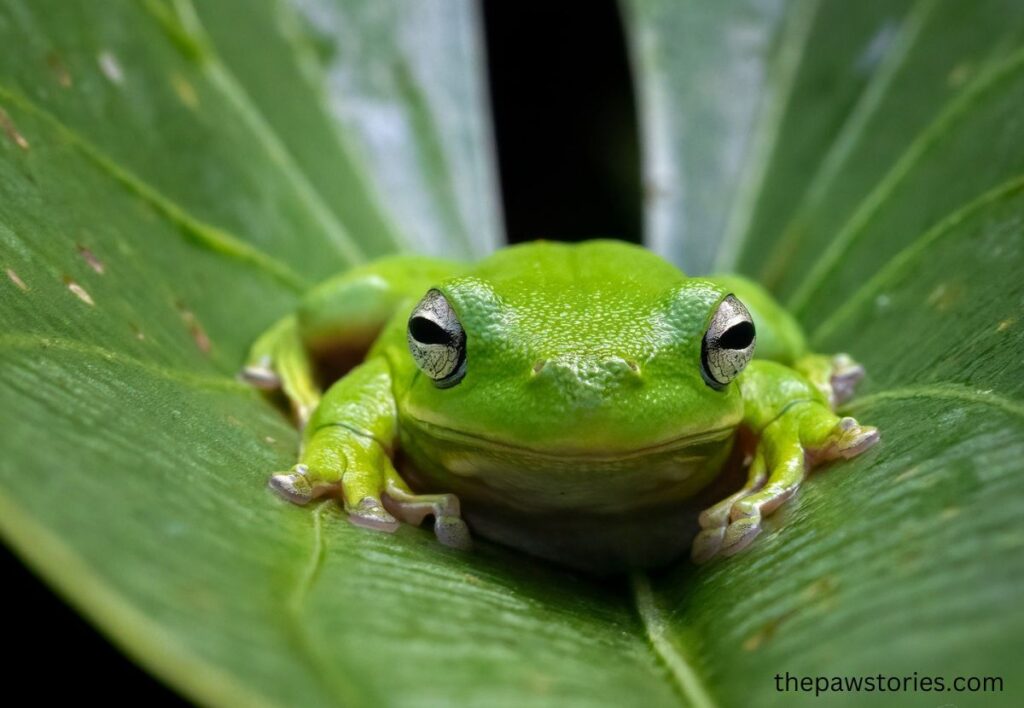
(872,204)
(849,136)
(15,342)
(195,231)
(684,675)
(224,81)
(941,391)
(900,260)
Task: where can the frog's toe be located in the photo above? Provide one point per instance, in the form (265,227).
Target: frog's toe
(371,514)
(452,531)
(848,439)
(846,374)
(449,528)
(261,375)
(295,486)
(707,544)
(740,534)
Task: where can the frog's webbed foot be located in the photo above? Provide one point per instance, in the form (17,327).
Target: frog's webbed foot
(848,439)
(370,513)
(339,460)
(296,485)
(835,376)
(714,521)
(806,433)
(449,528)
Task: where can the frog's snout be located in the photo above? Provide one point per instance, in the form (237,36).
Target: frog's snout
(581,378)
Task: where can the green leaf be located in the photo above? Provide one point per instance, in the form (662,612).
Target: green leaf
(173,175)
(889,210)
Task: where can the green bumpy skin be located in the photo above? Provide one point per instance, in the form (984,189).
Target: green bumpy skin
(578,416)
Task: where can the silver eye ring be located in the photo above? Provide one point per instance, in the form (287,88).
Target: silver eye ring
(437,341)
(728,344)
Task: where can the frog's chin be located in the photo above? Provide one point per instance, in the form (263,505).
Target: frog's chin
(598,508)
(570,451)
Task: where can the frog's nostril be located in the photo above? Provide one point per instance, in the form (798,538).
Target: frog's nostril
(633,366)
(539,365)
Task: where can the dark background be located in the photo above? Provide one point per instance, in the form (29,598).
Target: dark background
(566,135)
(564,120)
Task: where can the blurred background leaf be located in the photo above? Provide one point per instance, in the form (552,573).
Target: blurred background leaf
(173,175)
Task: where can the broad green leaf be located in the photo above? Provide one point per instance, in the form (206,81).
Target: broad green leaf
(937,53)
(892,212)
(174,174)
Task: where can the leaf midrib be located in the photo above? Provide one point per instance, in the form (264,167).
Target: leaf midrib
(221,78)
(684,677)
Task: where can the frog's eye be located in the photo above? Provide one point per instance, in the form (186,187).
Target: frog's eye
(728,344)
(437,340)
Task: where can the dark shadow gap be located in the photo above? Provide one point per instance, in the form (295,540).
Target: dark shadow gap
(564,120)
(54,652)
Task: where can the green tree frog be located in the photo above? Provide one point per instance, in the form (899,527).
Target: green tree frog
(567,400)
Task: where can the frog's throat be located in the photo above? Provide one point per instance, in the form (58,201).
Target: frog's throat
(446,434)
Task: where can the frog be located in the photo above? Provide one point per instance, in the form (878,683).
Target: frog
(569,400)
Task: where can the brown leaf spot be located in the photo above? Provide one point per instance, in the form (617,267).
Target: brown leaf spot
(821,592)
(959,75)
(89,257)
(949,512)
(110,67)
(185,91)
(821,588)
(12,132)
(14,278)
(945,295)
(59,69)
(79,291)
(195,329)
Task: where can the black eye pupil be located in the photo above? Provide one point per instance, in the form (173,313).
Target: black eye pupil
(739,336)
(427,331)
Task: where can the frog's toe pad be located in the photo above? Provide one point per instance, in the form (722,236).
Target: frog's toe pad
(850,439)
(707,544)
(371,514)
(452,531)
(846,374)
(740,534)
(294,485)
(261,376)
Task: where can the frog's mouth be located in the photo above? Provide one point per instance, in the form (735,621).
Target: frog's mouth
(567,454)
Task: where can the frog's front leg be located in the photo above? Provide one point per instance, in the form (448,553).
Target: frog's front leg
(347,450)
(343,314)
(279,360)
(796,427)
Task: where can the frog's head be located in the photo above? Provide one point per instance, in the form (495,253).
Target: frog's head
(555,356)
